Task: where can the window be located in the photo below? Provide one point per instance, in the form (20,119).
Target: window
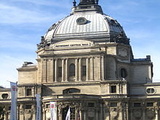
(84,70)
(137,104)
(28,106)
(47,105)
(72,70)
(149,104)
(150,90)
(28,92)
(71,90)
(113,104)
(59,71)
(113,89)
(91,105)
(123,73)
(4,96)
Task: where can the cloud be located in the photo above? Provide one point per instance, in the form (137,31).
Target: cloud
(52,3)
(11,14)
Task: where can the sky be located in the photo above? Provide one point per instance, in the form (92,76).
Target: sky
(23,22)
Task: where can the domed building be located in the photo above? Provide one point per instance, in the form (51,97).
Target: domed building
(85,63)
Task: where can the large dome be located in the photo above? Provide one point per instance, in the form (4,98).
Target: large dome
(87,21)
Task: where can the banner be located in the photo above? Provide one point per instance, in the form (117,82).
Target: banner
(68,114)
(38,101)
(53,110)
(13,115)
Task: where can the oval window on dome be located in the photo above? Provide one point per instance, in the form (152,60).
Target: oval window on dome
(5,96)
(150,90)
(81,21)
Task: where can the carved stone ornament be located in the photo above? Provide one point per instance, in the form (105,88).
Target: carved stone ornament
(150,113)
(114,113)
(123,52)
(28,116)
(91,112)
(137,113)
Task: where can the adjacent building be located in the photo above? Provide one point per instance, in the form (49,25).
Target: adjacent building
(85,62)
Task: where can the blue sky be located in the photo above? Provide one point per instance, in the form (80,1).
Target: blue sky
(23,22)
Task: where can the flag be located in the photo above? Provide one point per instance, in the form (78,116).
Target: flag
(38,101)
(13,115)
(53,110)
(68,114)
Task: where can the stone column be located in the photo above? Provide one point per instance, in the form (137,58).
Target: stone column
(97,115)
(101,112)
(102,67)
(44,112)
(59,114)
(76,113)
(56,70)
(80,67)
(48,70)
(85,115)
(92,68)
(51,71)
(63,70)
(80,115)
(21,112)
(66,70)
(76,69)
(143,113)
(87,69)
(44,71)
(156,112)
(5,113)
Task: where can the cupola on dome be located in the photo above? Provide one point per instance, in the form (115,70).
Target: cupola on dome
(87,21)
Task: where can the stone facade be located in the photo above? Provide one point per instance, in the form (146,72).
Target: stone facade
(85,62)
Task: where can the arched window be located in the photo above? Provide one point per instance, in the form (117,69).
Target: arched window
(71,90)
(72,70)
(123,73)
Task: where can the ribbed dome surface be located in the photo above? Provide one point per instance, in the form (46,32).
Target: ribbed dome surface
(86,22)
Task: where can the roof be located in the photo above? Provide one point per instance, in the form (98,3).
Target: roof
(87,21)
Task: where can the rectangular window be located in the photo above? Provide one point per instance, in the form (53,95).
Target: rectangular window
(149,104)
(137,104)
(113,89)
(90,104)
(47,105)
(28,92)
(114,104)
(28,106)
